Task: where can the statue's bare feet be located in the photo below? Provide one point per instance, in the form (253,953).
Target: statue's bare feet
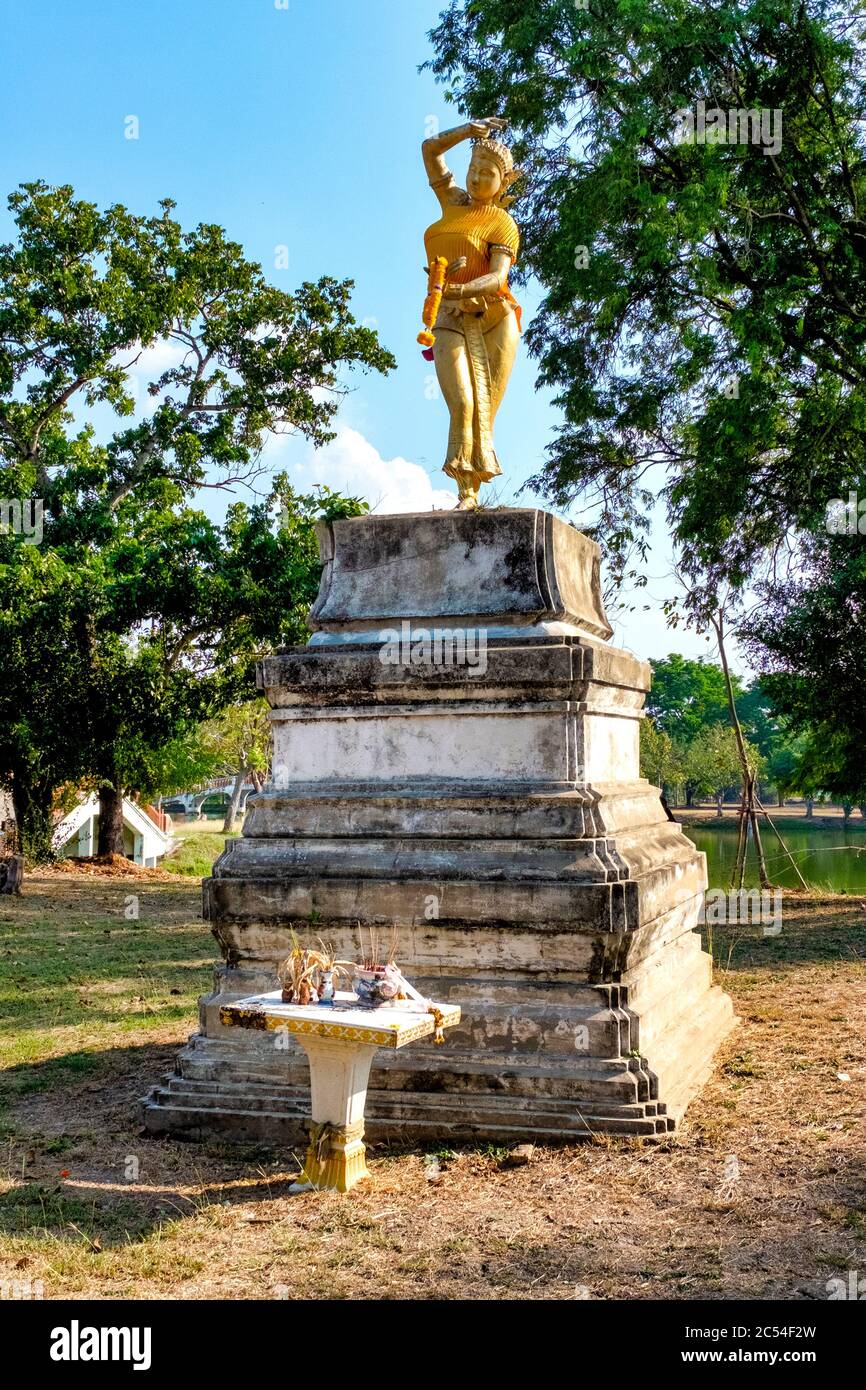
(469,503)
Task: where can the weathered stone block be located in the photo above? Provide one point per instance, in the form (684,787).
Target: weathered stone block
(506,565)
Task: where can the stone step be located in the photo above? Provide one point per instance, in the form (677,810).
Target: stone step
(202,1060)
(357,810)
(237,1099)
(580,1122)
(278,1129)
(266,1057)
(408,857)
(684,1057)
(252,1099)
(238,1126)
(429,1113)
(626,1080)
(465,907)
(672,990)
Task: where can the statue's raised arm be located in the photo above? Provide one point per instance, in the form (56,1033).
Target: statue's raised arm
(442,181)
(473,315)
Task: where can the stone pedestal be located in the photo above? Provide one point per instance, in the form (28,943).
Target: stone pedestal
(456,754)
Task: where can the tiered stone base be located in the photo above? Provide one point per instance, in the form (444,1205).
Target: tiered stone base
(338,1162)
(497,821)
(574,1021)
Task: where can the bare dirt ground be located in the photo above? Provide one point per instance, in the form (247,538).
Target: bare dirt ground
(761,1194)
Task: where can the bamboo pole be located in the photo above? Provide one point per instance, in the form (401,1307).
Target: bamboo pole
(717,620)
(794,865)
(738,873)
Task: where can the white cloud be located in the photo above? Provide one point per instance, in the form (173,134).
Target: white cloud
(157,357)
(350,464)
(146,364)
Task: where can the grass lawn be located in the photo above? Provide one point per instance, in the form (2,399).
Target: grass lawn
(762,1193)
(199,844)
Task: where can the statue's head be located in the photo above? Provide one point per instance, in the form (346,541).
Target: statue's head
(491,170)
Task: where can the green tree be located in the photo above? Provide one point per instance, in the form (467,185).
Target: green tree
(187,761)
(705,303)
(760,719)
(688,696)
(811,639)
(136,617)
(783,769)
(241,740)
(45,607)
(660,758)
(712,762)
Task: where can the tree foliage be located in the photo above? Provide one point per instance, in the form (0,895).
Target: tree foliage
(705,303)
(712,761)
(688,695)
(137,615)
(687,702)
(811,638)
(661,760)
(241,739)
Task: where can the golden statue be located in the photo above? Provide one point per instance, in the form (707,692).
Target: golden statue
(475,318)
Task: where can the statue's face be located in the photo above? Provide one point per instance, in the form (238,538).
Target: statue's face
(484,179)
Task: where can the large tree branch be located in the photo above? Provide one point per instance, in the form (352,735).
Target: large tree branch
(149,450)
(51,409)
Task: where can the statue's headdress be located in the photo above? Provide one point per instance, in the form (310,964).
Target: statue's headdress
(504,158)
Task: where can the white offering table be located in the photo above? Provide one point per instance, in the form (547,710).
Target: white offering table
(339,1040)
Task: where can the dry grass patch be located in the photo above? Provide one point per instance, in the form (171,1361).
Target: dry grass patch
(761,1194)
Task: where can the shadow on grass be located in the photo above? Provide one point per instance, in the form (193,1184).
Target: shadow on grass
(99,1216)
(88,1080)
(92,1181)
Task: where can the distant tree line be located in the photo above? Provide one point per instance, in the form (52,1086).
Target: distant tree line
(688,746)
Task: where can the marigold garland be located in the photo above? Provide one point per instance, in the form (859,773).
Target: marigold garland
(435,287)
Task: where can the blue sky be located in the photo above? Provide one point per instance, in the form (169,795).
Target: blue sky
(293,124)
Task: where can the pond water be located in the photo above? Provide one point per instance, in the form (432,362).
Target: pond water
(829,858)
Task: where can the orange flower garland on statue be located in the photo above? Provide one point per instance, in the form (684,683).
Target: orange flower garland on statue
(435,287)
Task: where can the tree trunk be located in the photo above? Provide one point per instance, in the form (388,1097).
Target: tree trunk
(232,812)
(110,821)
(12,875)
(748,776)
(780,798)
(720,796)
(690,796)
(810,808)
